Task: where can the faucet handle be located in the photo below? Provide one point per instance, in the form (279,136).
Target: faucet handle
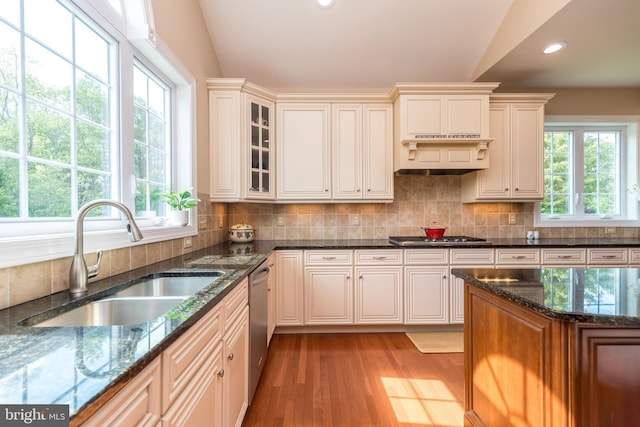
(94,270)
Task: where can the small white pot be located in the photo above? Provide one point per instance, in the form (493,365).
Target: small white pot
(180,217)
(241,233)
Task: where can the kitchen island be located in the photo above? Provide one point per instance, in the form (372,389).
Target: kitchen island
(551,346)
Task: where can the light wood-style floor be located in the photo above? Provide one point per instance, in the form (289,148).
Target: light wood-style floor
(340,380)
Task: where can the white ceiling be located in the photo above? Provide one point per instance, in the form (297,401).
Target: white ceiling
(370,44)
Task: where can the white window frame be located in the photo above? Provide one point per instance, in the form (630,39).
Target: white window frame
(137,39)
(629,205)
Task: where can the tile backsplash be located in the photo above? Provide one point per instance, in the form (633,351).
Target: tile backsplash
(418,201)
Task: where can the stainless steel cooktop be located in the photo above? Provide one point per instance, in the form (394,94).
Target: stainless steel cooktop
(419,241)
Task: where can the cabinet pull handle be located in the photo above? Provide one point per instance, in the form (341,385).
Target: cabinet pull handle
(379,257)
(328,257)
(230,356)
(608,256)
(565,256)
(221,373)
(518,256)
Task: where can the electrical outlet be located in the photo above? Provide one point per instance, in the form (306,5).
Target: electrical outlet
(280,221)
(186,242)
(512,219)
(609,230)
(355,220)
(202,222)
(220,221)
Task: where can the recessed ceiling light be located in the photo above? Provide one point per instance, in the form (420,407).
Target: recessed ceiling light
(325,4)
(554,47)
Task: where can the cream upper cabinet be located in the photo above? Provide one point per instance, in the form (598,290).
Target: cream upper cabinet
(362,154)
(516,162)
(303,155)
(241,140)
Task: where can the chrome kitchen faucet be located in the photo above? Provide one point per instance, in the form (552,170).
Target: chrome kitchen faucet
(79,273)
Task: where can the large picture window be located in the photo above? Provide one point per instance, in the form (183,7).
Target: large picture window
(588,168)
(90,108)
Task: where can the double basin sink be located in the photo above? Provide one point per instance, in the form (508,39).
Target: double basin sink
(143,301)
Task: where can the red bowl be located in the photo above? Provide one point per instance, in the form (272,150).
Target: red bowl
(434,233)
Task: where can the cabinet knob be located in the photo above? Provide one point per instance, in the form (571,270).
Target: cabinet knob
(506,189)
(358,190)
(221,373)
(230,356)
(326,190)
(516,188)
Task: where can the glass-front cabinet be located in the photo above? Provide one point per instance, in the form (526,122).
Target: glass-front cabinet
(261,148)
(241,131)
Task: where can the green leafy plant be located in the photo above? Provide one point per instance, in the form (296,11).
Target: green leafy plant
(180,201)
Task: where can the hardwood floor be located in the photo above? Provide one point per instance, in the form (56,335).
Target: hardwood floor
(360,380)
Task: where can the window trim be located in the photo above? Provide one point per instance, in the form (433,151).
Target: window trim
(631,172)
(149,48)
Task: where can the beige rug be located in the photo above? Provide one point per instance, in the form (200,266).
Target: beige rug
(438,342)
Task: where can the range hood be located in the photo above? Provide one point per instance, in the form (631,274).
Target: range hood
(441,128)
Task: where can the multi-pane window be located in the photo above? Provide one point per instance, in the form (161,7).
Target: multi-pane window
(57,140)
(152,142)
(583,173)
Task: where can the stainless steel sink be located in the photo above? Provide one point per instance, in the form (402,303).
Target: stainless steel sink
(168,286)
(115,311)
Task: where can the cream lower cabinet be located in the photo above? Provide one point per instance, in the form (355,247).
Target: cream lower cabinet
(235,373)
(464,258)
(426,286)
(138,404)
(328,287)
(289,302)
(271,297)
(378,287)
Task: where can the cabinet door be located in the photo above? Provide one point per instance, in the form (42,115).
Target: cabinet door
(236,371)
(201,403)
(426,295)
(137,404)
(225,145)
(378,295)
(261,158)
(492,183)
(347,151)
(328,295)
(303,151)
(289,285)
(377,160)
(527,151)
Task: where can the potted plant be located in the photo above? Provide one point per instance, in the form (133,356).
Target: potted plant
(181,203)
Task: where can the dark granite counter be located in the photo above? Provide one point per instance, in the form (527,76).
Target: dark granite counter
(72,365)
(609,296)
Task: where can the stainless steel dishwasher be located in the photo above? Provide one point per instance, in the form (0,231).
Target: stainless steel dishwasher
(257,324)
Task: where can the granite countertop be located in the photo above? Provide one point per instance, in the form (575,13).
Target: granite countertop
(602,295)
(75,365)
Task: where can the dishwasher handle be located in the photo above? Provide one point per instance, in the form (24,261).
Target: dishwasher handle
(260,275)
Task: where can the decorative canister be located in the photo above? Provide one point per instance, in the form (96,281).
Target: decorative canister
(241,233)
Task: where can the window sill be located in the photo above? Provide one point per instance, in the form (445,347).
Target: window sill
(27,250)
(601,223)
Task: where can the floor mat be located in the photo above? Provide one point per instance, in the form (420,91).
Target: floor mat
(438,342)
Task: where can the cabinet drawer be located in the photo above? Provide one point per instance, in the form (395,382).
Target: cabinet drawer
(378,257)
(564,256)
(609,256)
(235,301)
(517,256)
(472,256)
(185,357)
(426,256)
(634,256)
(328,257)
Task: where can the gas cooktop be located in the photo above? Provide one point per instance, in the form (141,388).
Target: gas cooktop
(419,241)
